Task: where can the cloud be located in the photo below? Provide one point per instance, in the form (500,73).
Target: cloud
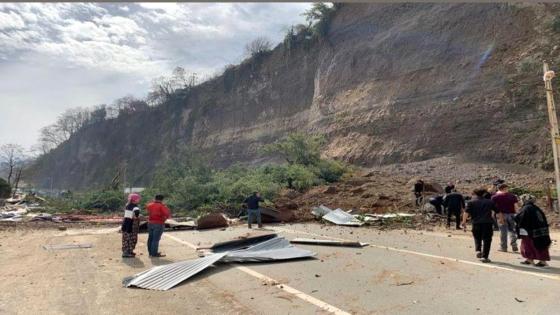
(81,54)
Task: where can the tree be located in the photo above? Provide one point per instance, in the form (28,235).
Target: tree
(165,87)
(5,188)
(319,18)
(258,46)
(11,157)
(98,114)
(298,148)
(130,104)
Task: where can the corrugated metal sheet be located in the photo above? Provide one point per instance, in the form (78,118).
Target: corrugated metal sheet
(327,242)
(277,248)
(167,276)
(340,217)
(239,243)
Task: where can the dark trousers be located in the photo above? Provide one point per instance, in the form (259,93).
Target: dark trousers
(482,233)
(457,214)
(154,235)
(419,198)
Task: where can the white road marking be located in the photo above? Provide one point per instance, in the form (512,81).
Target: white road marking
(467,262)
(178,240)
(305,297)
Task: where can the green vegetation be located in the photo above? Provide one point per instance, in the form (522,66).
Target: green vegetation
(190,184)
(5,189)
(523,190)
(318,18)
(96,201)
(556,24)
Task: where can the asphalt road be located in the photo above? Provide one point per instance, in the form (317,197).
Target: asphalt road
(401,272)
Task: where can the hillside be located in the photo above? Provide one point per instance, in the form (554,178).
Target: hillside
(389,83)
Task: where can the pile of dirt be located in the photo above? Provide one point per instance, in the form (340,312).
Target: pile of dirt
(388,189)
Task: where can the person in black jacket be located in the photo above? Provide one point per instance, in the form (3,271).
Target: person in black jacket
(130,226)
(480,211)
(532,227)
(419,192)
(253,209)
(454,204)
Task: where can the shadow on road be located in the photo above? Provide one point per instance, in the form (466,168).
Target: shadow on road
(133,262)
(545,270)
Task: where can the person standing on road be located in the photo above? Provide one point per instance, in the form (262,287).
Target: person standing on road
(130,226)
(454,204)
(505,203)
(532,227)
(419,192)
(157,214)
(253,209)
(480,211)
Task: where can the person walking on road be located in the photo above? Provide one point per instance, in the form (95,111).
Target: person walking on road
(130,226)
(505,203)
(454,204)
(532,227)
(253,209)
(157,214)
(480,211)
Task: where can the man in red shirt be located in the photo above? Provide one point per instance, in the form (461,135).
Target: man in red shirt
(505,203)
(157,214)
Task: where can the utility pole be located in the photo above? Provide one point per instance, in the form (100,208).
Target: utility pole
(553,119)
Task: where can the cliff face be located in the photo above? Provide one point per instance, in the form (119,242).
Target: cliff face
(390,83)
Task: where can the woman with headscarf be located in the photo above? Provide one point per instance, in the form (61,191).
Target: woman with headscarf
(532,227)
(130,225)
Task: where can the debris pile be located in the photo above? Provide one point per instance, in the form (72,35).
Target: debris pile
(340,217)
(165,277)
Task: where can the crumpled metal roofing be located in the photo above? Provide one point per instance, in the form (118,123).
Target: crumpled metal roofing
(167,276)
(277,248)
(340,217)
(328,242)
(239,243)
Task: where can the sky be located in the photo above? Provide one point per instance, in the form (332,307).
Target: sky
(55,56)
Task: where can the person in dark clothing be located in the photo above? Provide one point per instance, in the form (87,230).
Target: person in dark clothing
(480,211)
(532,228)
(449,188)
(419,192)
(454,204)
(253,209)
(130,225)
(437,202)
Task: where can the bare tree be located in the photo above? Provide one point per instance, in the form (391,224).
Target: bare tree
(164,87)
(258,46)
(11,156)
(130,104)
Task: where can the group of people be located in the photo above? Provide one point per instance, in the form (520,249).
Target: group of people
(498,207)
(158,212)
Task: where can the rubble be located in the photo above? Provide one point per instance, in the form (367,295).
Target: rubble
(210,221)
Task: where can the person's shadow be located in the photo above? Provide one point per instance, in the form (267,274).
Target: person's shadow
(530,268)
(133,262)
(157,261)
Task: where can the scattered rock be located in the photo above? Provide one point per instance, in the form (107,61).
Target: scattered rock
(330,190)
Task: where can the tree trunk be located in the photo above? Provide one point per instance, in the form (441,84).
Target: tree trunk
(16,183)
